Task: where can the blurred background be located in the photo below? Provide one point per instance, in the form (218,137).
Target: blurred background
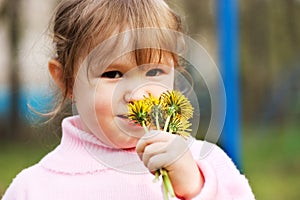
(269,83)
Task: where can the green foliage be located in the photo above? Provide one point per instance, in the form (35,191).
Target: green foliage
(271,161)
(269,47)
(17,155)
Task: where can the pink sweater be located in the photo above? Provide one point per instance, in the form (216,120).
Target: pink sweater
(81,167)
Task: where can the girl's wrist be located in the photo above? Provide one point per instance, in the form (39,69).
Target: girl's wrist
(188,182)
(193,189)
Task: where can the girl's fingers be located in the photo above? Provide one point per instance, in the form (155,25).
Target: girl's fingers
(157,162)
(152,150)
(159,150)
(152,137)
(174,150)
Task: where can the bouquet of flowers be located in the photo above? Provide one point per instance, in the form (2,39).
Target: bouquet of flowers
(171,113)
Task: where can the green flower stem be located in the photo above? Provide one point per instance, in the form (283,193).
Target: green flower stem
(145,127)
(167,122)
(157,122)
(167,182)
(165,191)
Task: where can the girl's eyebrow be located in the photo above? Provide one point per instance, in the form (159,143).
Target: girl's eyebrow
(128,65)
(112,67)
(123,63)
(118,66)
(154,65)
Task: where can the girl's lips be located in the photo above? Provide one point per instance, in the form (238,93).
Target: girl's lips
(123,116)
(125,120)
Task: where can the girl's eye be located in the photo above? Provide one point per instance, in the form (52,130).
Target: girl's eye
(112,74)
(155,72)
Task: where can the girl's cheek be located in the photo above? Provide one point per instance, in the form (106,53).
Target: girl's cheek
(102,104)
(158,90)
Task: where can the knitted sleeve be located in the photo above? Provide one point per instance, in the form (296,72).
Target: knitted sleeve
(223,180)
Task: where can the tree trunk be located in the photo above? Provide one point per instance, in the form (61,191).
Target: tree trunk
(13,22)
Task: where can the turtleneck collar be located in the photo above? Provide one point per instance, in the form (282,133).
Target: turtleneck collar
(80,152)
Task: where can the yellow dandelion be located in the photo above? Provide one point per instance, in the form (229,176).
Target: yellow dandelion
(176,103)
(157,114)
(151,100)
(138,112)
(180,126)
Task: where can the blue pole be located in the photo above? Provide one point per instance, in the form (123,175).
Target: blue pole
(227,18)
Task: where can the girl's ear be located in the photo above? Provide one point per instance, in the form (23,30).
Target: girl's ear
(56,71)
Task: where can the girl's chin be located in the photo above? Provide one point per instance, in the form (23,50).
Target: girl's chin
(126,145)
(120,141)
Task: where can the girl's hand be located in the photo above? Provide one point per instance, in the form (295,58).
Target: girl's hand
(158,149)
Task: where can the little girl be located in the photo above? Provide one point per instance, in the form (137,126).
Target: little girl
(108,54)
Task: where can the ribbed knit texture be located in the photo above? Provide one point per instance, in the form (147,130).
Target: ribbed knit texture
(82,167)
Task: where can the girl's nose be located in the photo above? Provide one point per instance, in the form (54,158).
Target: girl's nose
(135,95)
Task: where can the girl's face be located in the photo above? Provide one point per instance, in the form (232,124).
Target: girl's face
(102,99)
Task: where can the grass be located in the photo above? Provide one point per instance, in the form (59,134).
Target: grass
(17,155)
(271,160)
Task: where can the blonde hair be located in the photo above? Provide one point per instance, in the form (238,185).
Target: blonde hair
(79,25)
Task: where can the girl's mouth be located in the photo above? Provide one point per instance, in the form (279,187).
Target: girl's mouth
(122,116)
(125,119)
